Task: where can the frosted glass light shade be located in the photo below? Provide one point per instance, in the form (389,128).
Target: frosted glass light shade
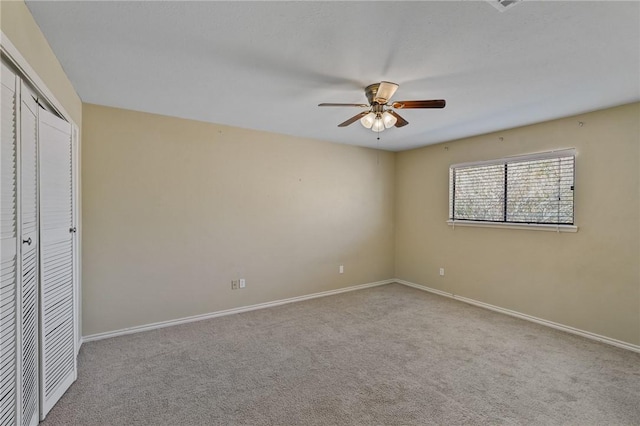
(367,120)
(389,119)
(378,125)
(386,90)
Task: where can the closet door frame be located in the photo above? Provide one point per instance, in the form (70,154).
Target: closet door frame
(12,55)
(17,360)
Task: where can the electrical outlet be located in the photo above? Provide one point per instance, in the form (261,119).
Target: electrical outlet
(442,272)
(243,283)
(341,269)
(234,284)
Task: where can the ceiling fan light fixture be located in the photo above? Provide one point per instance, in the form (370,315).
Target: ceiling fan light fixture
(385,91)
(378,125)
(388,119)
(379,114)
(368,120)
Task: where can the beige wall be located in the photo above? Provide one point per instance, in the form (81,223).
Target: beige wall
(176,209)
(21,29)
(589,280)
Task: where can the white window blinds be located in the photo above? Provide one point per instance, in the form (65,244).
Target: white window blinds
(534,189)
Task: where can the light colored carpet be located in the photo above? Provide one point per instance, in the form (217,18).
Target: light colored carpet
(382,356)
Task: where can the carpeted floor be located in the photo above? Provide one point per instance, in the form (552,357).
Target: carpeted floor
(389,355)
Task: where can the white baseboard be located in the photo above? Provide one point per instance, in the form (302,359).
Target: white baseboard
(557,326)
(568,329)
(162,324)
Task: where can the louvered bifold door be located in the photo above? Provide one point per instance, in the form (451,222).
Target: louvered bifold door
(29,255)
(57,343)
(8,253)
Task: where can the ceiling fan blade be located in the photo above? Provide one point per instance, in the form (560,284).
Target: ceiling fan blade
(353,119)
(341,105)
(434,103)
(385,92)
(401,121)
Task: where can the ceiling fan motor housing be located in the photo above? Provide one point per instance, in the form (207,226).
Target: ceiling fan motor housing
(371,91)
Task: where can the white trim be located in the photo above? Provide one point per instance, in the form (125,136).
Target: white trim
(77,265)
(559,153)
(508,225)
(17,99)
(27,71)
(551,324)
(531,318)
(162,324)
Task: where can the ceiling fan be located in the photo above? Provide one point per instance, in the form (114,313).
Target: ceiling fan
(380,112)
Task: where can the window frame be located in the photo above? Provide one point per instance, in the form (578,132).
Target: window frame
(559,227)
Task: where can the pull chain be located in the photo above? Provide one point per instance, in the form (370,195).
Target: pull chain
(378,148)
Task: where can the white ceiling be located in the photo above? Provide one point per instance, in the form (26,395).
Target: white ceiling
(266,65)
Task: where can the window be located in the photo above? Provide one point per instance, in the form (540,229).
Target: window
(531,189)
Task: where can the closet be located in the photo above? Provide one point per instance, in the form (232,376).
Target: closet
(38,288)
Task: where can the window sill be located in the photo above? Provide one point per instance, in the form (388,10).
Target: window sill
(526,226)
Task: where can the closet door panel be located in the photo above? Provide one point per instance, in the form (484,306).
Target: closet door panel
(8,252)
(29,255)
(58,362)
